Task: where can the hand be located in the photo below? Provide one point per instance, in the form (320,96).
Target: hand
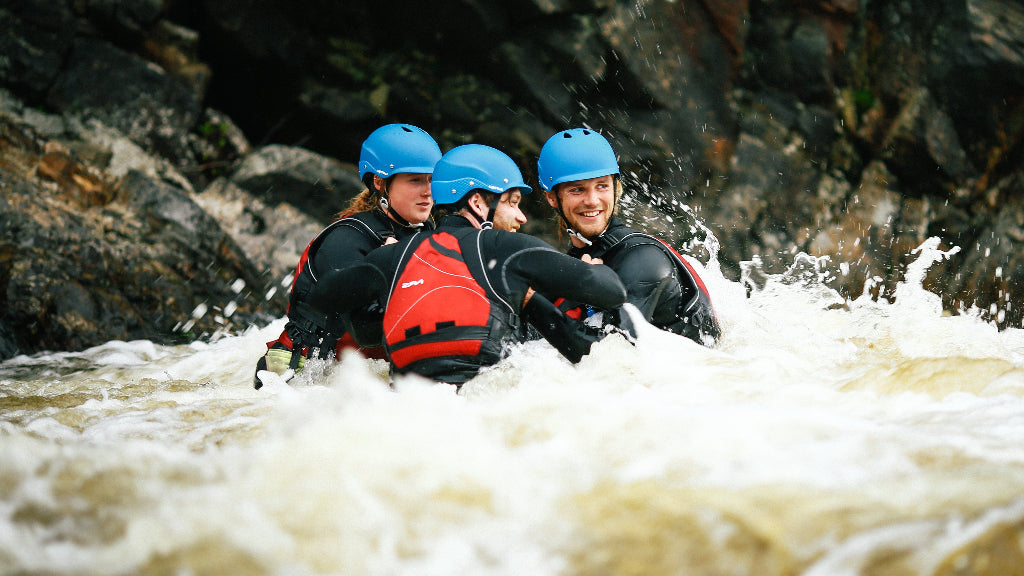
(529,294)
(590,260)
(391,240)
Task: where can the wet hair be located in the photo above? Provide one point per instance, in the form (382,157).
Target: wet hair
(366,200)
(362,202)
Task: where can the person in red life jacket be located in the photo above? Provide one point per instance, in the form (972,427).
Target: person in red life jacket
(450,302)
(579,174)
(395,164)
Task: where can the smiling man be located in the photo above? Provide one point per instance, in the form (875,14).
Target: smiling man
(579,174)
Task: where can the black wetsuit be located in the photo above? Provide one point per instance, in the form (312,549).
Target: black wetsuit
(664,287)
(503,265)
(344,243)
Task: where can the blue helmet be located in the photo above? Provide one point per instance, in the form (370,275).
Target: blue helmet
(575,154)
(472,167)
(397,149)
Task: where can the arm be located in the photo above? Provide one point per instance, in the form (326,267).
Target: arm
(343,290)
(345,246)
(556,275)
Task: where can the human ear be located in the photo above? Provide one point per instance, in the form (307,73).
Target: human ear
(477,204)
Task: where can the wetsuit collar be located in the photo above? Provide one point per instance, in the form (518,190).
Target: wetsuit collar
(454,221)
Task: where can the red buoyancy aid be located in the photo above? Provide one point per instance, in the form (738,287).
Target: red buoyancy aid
(437,309)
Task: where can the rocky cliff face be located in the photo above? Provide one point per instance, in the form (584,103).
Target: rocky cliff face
(163,162)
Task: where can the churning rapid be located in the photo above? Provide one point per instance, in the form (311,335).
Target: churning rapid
(820,437)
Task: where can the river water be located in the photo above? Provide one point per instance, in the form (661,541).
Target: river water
(820,437)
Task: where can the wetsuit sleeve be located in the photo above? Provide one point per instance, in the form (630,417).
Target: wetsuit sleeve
(346,289)
(343,247)
(357,294)
(366,325)
(556,275)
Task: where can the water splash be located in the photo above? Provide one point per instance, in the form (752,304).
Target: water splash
(910,292)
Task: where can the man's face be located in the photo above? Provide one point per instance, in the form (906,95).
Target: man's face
(586,204)
(508,216)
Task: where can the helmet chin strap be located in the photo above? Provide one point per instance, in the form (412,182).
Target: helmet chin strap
(484,224)
(386,207)
(578,236)
(487,223)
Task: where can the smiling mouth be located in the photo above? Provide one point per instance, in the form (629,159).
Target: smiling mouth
(592,214)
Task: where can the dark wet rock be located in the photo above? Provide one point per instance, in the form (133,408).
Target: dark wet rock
(272,236)
(923,148)
(318,185)
(86,257)
(35,38)
(218,145)
(124,20)
(128,93)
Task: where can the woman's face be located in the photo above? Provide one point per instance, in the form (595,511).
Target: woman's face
(409,196)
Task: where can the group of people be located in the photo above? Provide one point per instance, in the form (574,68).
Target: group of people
(424,268)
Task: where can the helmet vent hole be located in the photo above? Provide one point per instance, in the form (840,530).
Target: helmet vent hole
(586,132)
(406,128)
(566,135)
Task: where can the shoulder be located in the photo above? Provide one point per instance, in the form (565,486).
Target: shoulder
(642,256)
(514,240)
(349,231)
(364,221)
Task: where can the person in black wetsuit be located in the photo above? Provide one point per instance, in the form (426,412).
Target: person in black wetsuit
(449,302)
(395,164)
(579,174)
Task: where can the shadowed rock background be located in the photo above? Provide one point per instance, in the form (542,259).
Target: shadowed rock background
(164,162)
